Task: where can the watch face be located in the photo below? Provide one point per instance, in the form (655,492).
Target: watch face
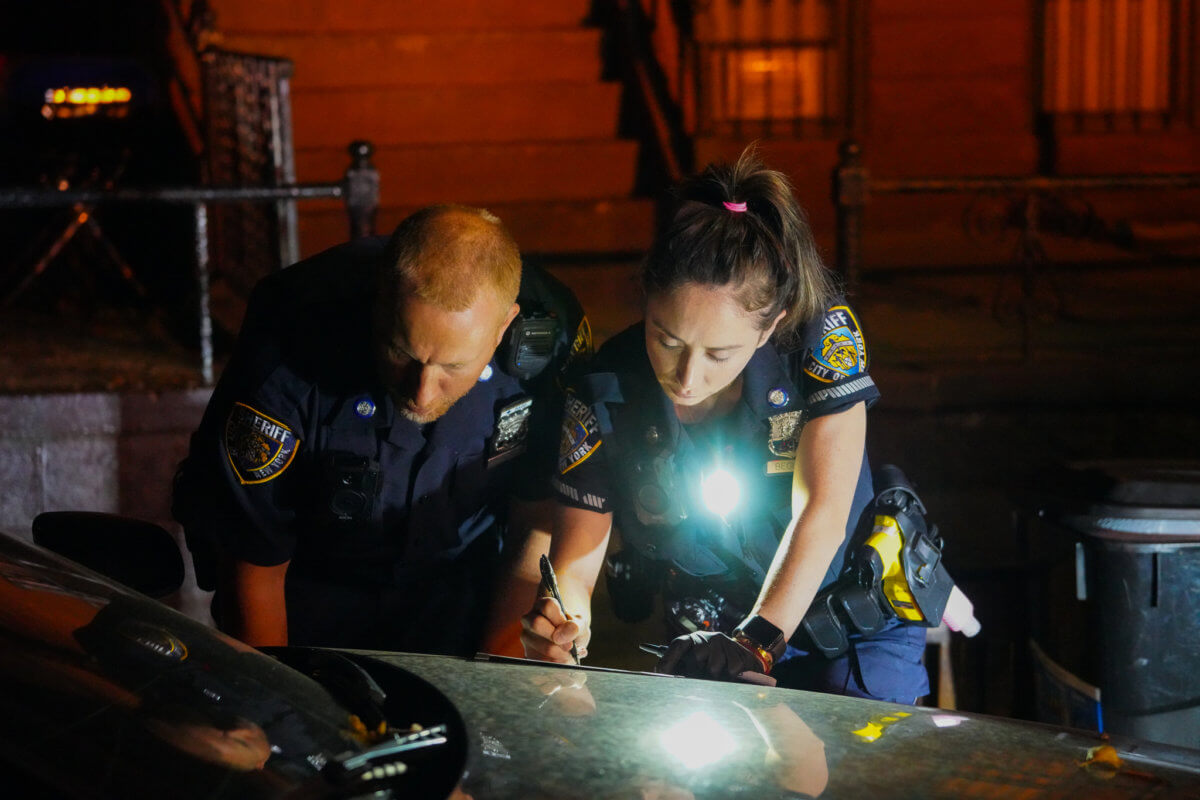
(763,633)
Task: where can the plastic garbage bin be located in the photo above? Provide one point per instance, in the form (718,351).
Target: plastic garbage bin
(1139,525)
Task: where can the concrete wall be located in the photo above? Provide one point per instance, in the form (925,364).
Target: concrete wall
(107,452)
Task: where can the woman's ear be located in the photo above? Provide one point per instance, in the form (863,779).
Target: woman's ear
(766,334)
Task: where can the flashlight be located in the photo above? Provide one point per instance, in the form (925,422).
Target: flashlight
(721,492)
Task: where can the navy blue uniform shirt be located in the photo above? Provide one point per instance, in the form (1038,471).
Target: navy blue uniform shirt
(302,456)
(624,450)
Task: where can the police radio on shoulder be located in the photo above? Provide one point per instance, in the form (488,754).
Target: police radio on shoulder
(530,343)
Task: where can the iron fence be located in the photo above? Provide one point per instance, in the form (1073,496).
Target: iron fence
(359,189)
(249,143)
(1036,208)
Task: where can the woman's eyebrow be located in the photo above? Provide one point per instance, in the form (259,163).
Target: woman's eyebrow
(664,329)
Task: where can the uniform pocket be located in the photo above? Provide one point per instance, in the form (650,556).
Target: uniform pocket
(889,664)
(473,485)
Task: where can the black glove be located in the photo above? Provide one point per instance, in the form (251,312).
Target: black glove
(710,655)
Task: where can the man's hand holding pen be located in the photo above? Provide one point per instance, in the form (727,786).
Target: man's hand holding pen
(548,632)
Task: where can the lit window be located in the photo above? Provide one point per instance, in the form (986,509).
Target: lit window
(766,62)
(1106,57)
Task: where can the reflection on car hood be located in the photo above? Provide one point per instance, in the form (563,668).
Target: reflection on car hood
(107,693)
(101,684)
(544,732)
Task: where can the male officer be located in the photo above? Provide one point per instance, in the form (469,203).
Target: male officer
(349,483)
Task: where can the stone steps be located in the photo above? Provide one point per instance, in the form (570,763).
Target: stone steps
(576,227)
(496,103)
(370,16)
(489,173)
(457,115)
(431,59)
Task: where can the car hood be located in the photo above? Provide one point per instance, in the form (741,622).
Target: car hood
(107,693)
(541,732)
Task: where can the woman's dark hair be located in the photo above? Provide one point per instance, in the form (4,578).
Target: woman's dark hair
(766,250)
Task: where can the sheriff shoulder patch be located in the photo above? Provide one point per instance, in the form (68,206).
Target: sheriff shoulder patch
(259,448)
(581,345)
(580,434)
(842,352)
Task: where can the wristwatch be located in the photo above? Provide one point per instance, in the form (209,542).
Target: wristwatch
(760,637)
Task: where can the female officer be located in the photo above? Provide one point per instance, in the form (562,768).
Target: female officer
(724,435)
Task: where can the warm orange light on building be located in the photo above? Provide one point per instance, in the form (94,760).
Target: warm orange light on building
(83,101)
(762,65)
(88,95)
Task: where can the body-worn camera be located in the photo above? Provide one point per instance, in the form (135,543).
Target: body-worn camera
(658,491)
(351,485)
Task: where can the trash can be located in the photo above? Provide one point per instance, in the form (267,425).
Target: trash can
(1137,525)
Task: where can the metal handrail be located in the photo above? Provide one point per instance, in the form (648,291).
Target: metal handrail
(359,188)
(853,187)
(1033,183)
(643,67)
(19,197)
(185,96)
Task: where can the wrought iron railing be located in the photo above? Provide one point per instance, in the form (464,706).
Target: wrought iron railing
(248,129)
(240,104)
(1035,208)
(651,68)
(359,189)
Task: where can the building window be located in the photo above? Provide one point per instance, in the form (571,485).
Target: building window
(767,67)
(1116,64)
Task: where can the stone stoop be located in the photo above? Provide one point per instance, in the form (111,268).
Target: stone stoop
(495,103)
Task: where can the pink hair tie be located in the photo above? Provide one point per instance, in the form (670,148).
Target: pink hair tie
(735,207)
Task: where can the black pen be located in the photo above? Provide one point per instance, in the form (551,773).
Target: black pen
(659,650)
(551,583)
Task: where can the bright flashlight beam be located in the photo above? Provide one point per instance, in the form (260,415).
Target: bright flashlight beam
(697,741)
(721,492)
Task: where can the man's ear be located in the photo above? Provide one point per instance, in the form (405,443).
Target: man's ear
(766,335)
(512,314)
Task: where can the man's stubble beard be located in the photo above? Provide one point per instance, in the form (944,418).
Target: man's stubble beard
(424,419)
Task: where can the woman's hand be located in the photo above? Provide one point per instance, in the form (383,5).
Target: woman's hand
(715,656)
(547,633)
